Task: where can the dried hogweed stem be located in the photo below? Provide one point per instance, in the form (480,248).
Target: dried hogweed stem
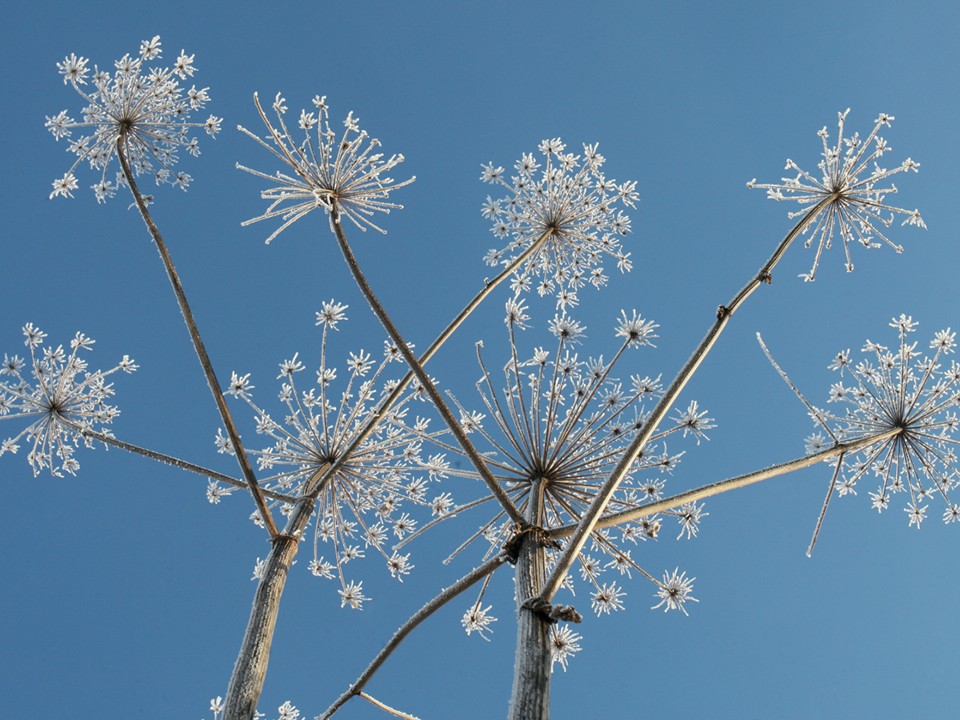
(187,313)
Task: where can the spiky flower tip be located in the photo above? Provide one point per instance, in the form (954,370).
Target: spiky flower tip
(62,400)
(853,188)
(363,506)
(326,168)
(146,105)
(556,432)
(567,196)
(915,396)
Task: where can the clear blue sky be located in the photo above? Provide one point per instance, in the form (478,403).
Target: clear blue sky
(125,594)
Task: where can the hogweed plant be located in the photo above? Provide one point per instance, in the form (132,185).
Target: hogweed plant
(567,452)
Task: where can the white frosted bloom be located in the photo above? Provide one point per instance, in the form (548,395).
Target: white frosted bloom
(477,619)
(323,169)
(559,424)
(854,187)
(146,105)
(59,397)
(674,592)
(569,197)
(374,485)
(564,644)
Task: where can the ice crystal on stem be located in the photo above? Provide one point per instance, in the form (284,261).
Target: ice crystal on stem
(343,168)
(853,189)
(559,427)
(567,196)
(146,105)
(64,400)
(361,507)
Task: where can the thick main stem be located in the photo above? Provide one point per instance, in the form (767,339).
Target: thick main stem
(245,467)
(250,670)
(530,697)
(591,516)
(246,683)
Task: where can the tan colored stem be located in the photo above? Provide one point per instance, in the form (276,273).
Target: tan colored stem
(242,459)
(723,486)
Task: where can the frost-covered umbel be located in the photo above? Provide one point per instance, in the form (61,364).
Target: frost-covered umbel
(343,169)
(561,424)
(362,507)
(147,105)
(852,187)
(59,398)
(903,390)
(568,196)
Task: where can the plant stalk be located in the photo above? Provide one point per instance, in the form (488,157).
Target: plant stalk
(734,483)
(241,455)
(445,596)
(530,696)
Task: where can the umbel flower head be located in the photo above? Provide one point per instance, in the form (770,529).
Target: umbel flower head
(362,506)
(336,168)
(146,105)
(913,394)
(555,433)
(853,189)
(567,196)
(60,398)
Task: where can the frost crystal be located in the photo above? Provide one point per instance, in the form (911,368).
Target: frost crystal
(145,105)
(854,207)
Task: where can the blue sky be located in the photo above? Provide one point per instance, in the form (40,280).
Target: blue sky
(126,594)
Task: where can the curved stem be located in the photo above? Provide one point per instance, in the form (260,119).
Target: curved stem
(734,483)
(445,596)
(591,516)
(242,459)
(420,373)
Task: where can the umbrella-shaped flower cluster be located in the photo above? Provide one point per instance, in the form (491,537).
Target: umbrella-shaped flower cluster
(568,197)
(374,454)
(555,430)
(343,169)
(850,193)
(145,105)
(62,401)
(915,397)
